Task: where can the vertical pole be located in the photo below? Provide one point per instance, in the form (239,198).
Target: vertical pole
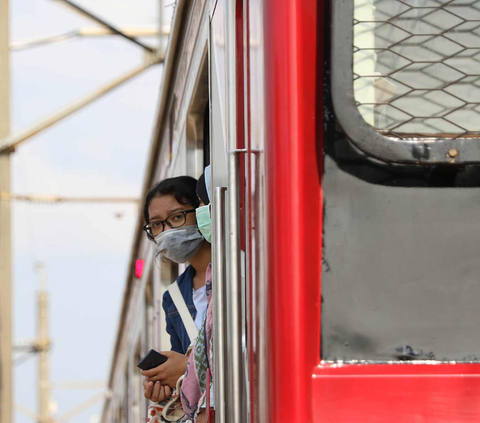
(43,346)
(236,392)
(5,236)
(161,38)
(219,293)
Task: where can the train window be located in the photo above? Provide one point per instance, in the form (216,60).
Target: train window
(198,142)
(409,92)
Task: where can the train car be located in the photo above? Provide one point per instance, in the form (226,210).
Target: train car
(343,140)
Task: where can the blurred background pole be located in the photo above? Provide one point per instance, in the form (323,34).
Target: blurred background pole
(161,33)
(5,237)
(43,348)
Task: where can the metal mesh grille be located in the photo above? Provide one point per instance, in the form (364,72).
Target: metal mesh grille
(417,66)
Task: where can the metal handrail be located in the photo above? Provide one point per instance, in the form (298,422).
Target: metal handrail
(219,281)
(234,294)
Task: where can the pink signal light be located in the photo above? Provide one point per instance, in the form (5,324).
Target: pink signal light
(139,266)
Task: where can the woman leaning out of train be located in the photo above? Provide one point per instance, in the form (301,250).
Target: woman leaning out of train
(170,214)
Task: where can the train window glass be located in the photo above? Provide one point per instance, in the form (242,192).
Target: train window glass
(198,142)
(409,92)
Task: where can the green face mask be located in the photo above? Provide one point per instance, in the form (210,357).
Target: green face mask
(204,222)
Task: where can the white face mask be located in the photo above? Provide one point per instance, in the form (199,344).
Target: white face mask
(179,245)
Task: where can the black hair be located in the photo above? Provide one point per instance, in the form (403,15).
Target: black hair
(202,190)
(184,189)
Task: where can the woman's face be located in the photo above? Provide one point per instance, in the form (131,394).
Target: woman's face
(167,207)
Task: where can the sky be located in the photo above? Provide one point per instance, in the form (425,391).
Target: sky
(99,151)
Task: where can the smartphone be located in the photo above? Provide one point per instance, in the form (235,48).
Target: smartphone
(151,360)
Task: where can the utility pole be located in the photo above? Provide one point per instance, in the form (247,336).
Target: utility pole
(5,233)
(43,348)
(41,345)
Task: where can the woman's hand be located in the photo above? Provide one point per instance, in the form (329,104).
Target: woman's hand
(155,391)
(168,372)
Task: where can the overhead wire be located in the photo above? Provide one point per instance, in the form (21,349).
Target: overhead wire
(54,39)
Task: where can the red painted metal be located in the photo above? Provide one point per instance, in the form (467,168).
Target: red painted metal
(301,388)
(403,393)
(294,206)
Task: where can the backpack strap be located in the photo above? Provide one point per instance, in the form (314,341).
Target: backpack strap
(182,309)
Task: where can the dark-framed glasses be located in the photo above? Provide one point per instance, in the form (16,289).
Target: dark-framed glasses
(175,220)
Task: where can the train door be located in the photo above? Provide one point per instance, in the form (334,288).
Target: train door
(401,185)
(228,182)
(372,202)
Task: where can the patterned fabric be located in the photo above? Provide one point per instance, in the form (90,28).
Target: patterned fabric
(193,391)
(169,410)
(155,415)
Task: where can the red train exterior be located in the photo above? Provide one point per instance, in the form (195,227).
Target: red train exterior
(301,387)
(289,200)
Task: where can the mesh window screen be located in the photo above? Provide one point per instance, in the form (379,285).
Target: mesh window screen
(414,76)
(417,66)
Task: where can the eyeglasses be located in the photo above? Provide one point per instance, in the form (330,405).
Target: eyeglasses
(175,220)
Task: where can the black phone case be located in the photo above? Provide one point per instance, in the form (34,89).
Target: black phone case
(151,360)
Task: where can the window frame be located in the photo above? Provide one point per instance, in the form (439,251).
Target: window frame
(415,150)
